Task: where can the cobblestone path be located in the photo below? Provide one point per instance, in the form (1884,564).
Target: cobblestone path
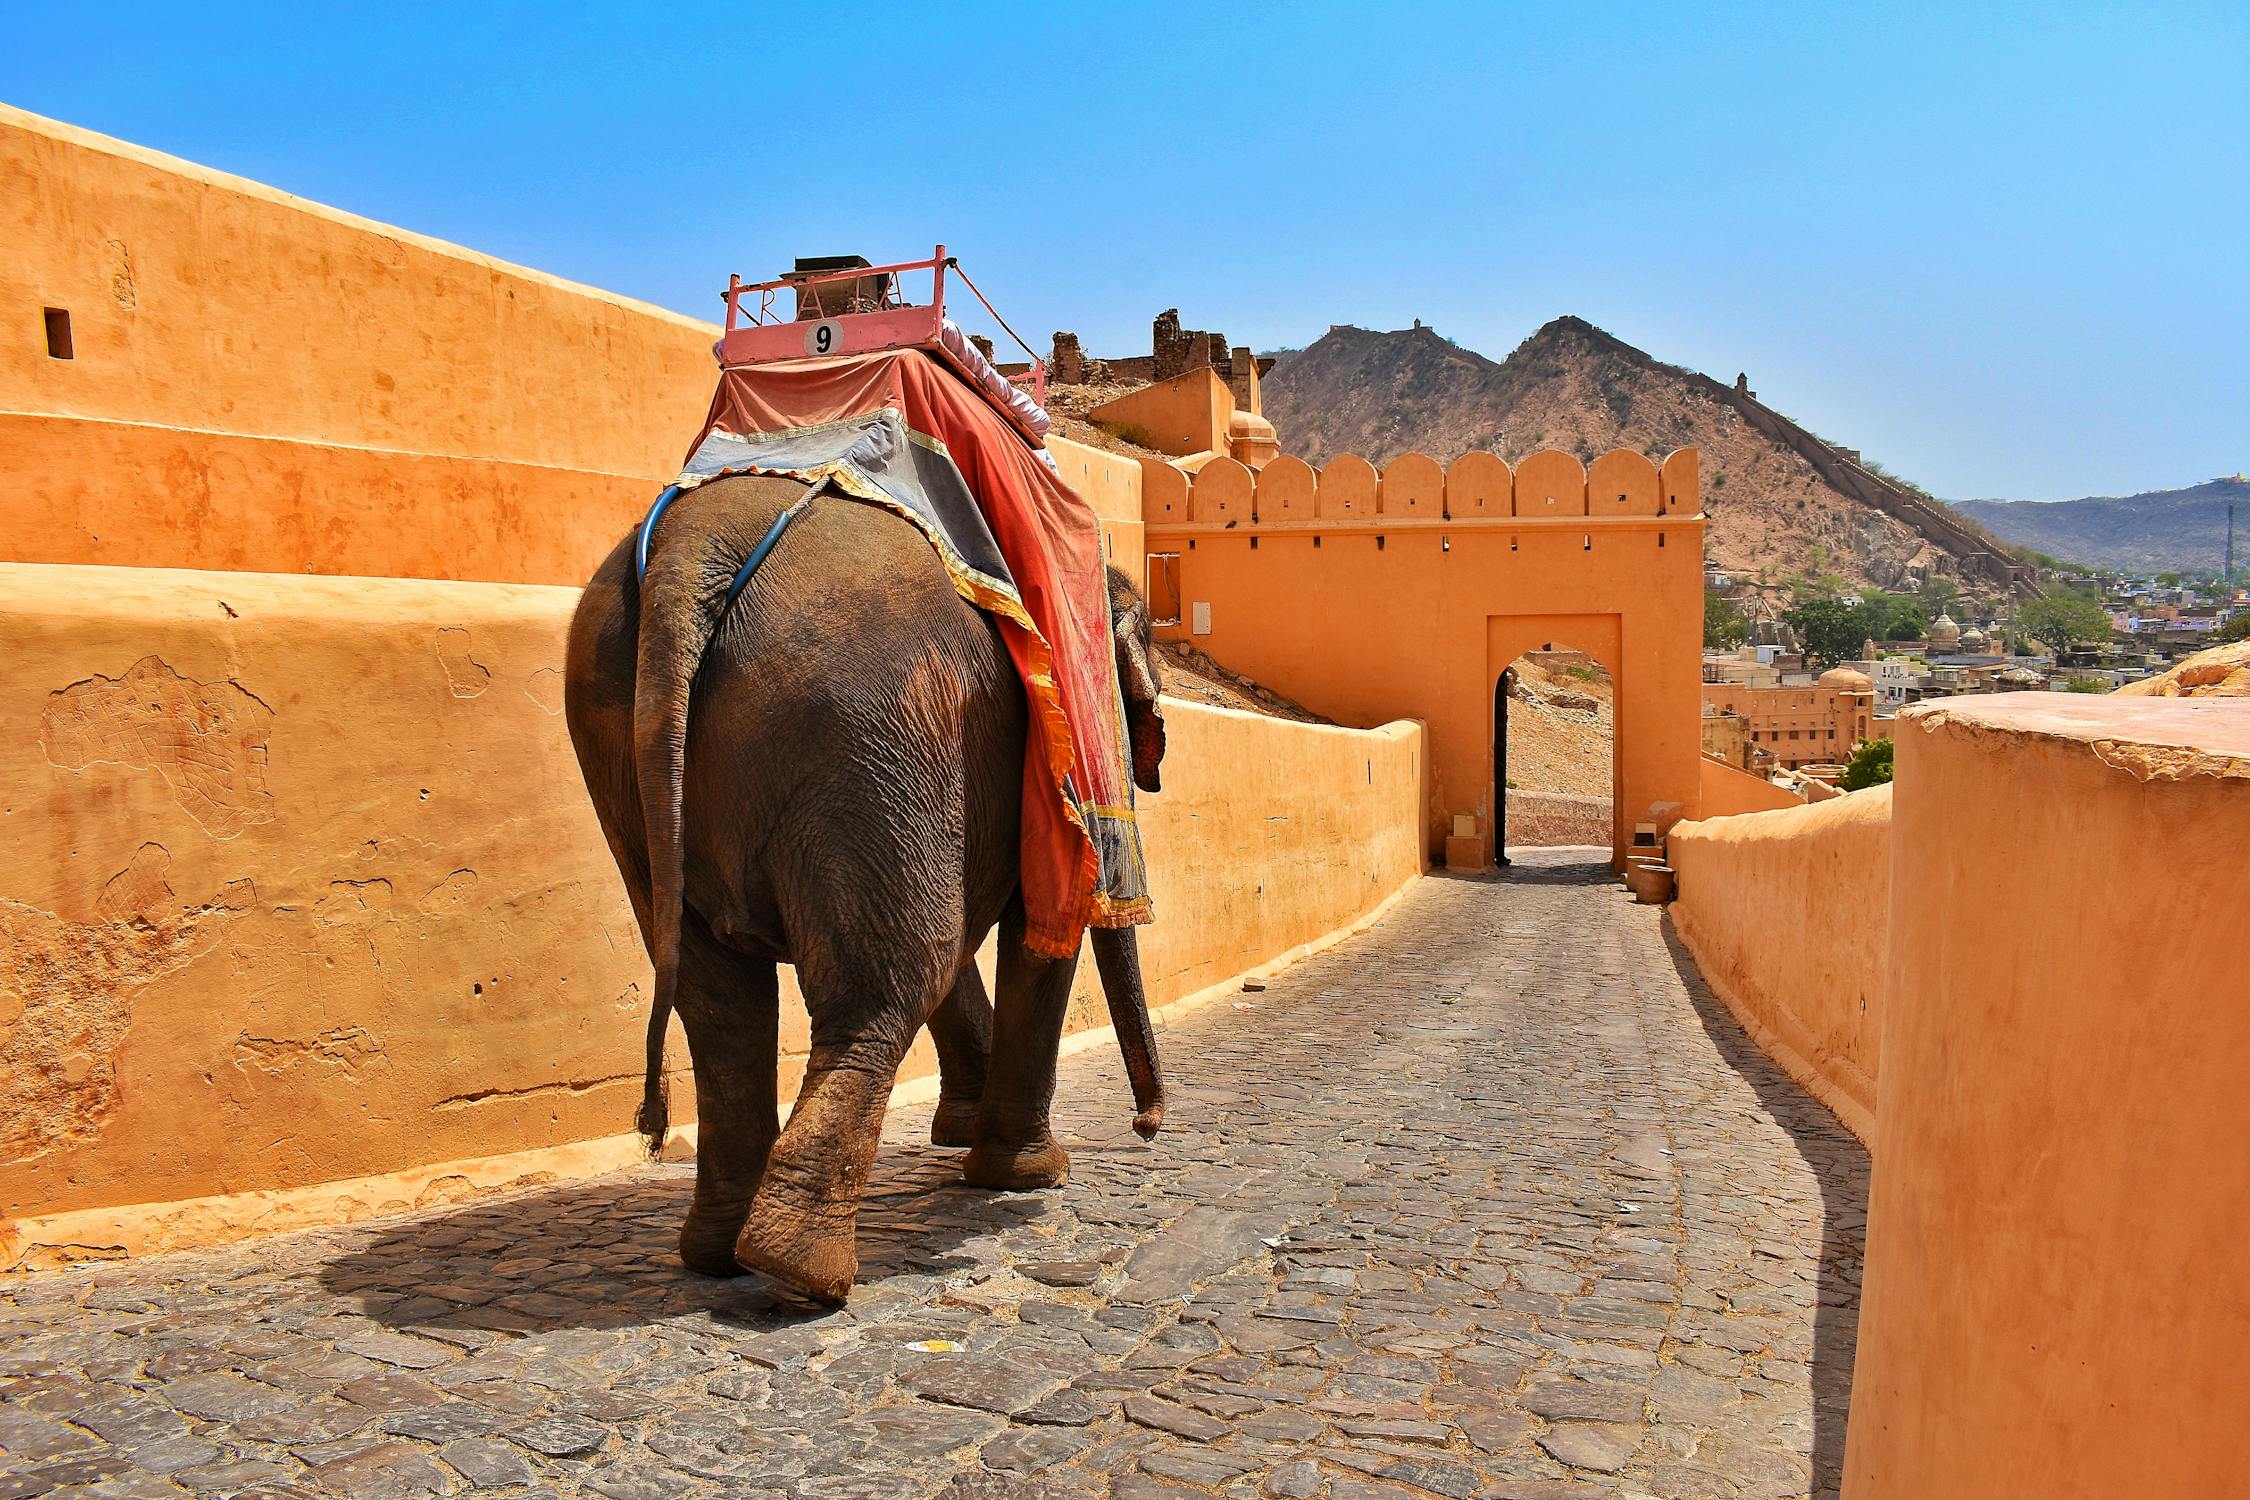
(1492,1200)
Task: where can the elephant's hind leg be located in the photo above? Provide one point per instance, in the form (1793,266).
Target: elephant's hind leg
(730,1006)
(1014,1146)
(961,1027)
(866,1006)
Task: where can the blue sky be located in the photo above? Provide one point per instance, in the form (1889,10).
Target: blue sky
(2003,249)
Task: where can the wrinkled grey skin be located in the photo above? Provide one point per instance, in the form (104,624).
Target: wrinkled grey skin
(831,777)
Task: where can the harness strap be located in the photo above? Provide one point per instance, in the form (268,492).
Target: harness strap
(765,545)
(648,530)
(758,553)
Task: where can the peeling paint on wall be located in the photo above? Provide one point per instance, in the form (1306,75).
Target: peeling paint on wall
(545,688)
(66,998)
(467,676)
(450,895)
(138,890)
(207,740)
(346,1047)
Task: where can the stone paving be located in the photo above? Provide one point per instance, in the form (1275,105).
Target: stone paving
(1493,1200)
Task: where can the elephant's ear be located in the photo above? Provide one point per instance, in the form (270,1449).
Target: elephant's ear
(1140,676)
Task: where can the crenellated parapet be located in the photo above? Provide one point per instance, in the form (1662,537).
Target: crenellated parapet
(1414,490)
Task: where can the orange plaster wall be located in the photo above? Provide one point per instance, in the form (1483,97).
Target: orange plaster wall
(2054,1305)
(263,382)
(1422,625)
(1725,789)
(1787,913)
(300,883)
(1184,415)
(299,886)
(147,496)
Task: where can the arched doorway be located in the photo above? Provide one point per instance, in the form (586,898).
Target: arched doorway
(1554,752)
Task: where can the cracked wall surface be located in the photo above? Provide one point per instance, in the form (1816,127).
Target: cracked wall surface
(207,740)
(279,878)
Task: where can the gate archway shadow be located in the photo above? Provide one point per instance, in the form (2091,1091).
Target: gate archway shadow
(1558,864)
(602,1253)
(1840,1164)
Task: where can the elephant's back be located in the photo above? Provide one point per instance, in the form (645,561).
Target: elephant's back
(854,702)
(853,612)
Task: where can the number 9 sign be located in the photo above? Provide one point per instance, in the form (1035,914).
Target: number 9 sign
(825,337)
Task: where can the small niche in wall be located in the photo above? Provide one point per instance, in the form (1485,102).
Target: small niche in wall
(59,345)
(1164,588)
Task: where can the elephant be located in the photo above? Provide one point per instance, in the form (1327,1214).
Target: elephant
(829,773)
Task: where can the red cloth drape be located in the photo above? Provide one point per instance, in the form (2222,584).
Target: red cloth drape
(1056,623)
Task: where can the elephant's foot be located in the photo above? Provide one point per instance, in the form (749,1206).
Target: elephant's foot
(955,1123)
(804,1252)
(1014,1167)
(707,1244)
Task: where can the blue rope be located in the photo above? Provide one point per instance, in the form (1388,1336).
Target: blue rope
(765,545)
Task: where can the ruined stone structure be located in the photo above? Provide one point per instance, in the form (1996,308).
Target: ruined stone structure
(1067,364)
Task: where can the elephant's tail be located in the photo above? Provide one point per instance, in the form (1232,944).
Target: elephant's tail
(679,613)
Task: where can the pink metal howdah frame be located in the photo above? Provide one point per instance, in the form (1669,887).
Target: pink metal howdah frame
(759,334)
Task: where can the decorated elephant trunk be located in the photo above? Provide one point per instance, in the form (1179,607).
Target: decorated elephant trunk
(1117,954)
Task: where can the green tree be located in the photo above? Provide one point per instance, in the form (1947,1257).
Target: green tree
(2236,628)
(1725,627)
(1870,765)
(2062,620)
(1938,594)
(1831,630)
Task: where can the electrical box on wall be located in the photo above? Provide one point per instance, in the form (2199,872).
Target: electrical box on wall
(1200,617)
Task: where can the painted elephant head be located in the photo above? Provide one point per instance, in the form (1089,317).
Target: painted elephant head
(1141,677)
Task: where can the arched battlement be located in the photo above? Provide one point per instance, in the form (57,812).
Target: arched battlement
(1550,483)
(1622,483)
(1164,494)
(1480,486)
(1681,483)
(1349,488)
(1414,487)
(1222,493)
(1286,492)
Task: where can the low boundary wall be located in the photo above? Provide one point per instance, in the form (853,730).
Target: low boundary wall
(1724,790)
(2057,1214)
(1787,913)
(2015,974)
(304,914)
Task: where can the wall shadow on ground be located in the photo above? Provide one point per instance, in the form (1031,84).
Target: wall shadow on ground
(1840,1164)
(1559,864)
(602,1253)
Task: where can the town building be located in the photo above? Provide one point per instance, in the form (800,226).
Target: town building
(1801,726)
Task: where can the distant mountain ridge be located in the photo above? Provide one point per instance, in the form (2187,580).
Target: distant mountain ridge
(1782,500)
(2157,531)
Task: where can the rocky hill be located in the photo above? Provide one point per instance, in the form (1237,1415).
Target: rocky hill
(1782,501)
(2183,530)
